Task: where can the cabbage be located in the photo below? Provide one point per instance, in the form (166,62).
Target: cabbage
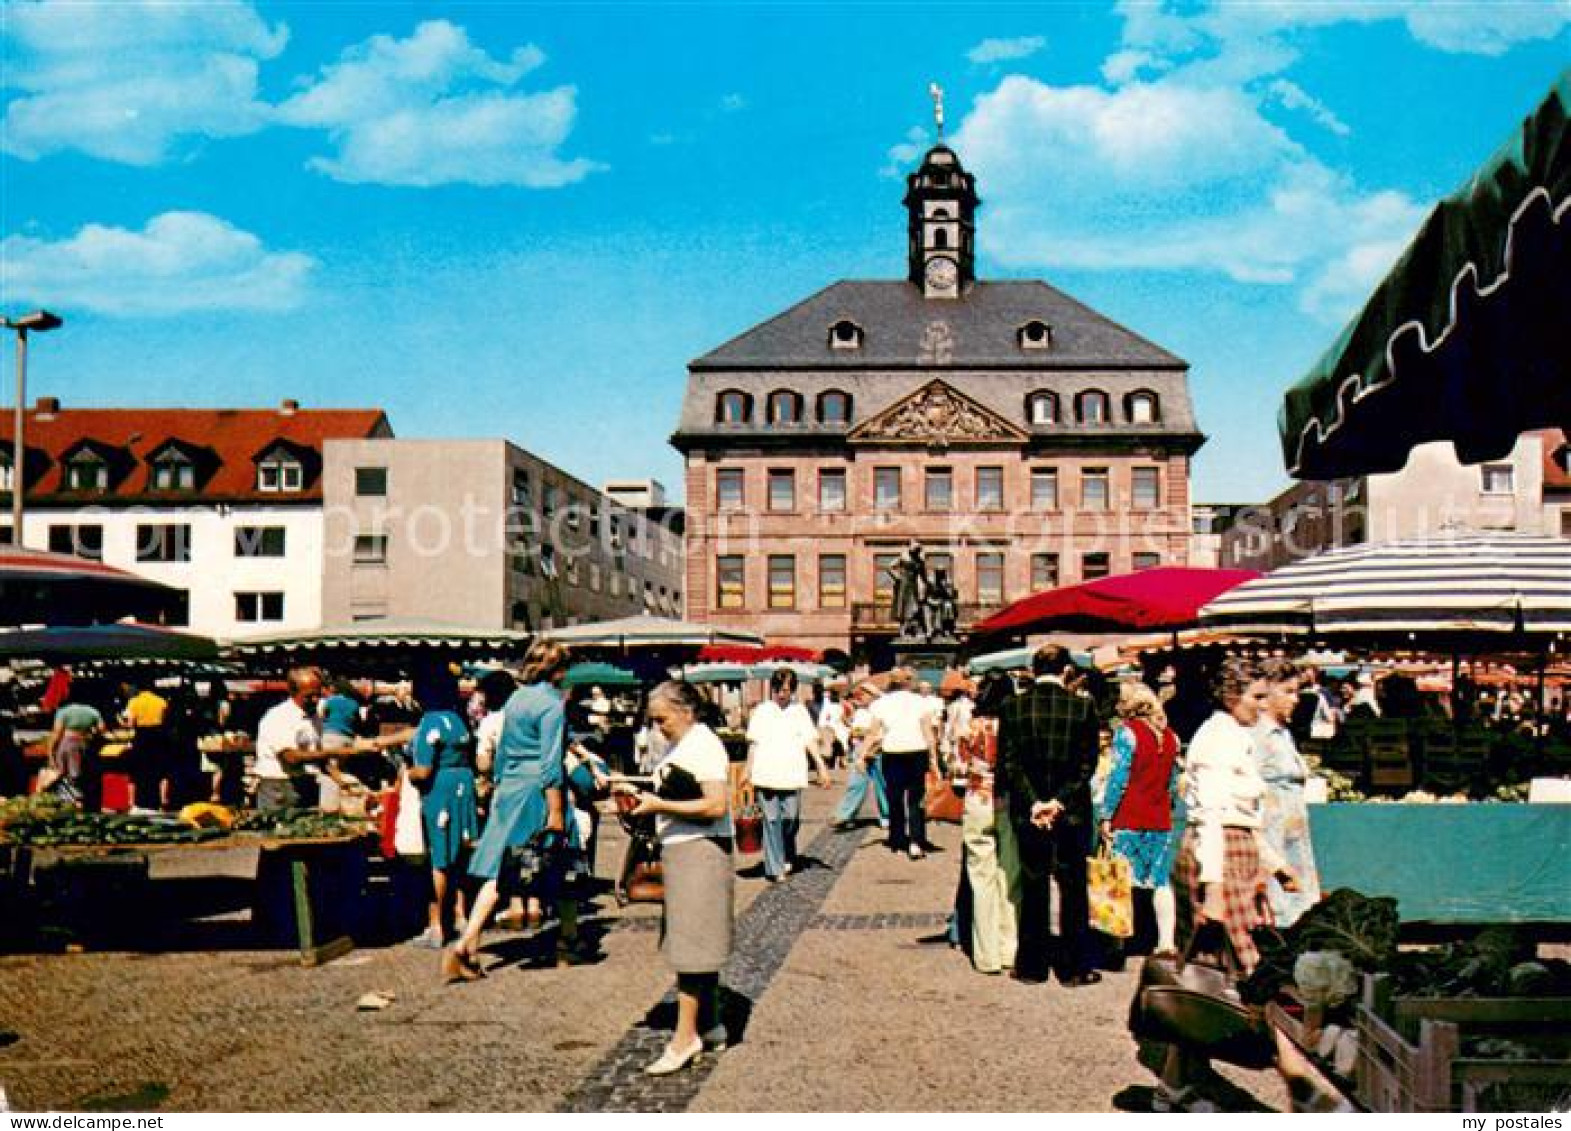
(1324,977)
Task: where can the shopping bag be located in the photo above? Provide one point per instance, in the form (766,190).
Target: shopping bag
(749,820)
(942,803)
(409,833)
(1109,887)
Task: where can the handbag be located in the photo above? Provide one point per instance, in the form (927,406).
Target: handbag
(1110,893)
(1192,1002)
(941,802)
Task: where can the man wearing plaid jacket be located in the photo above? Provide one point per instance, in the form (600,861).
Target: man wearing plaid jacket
(1047,751)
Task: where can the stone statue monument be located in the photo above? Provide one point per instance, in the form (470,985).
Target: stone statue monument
(925,606)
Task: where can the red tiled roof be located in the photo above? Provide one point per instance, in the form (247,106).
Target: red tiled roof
(1557,473)
(230,439)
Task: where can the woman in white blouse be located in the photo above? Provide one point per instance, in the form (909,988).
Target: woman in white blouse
(695,845)
(1225,862)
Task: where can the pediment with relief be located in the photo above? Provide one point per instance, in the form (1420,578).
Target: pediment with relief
(937,415)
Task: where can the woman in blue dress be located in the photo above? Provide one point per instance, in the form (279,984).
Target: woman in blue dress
(529,838)
(441,767)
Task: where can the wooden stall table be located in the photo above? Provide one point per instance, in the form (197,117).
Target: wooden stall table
(305,890)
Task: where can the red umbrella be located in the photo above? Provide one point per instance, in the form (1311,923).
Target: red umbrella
(1165,597)
(751,654)
(40,588)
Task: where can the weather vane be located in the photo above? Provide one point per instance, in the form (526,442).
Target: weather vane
(937,93)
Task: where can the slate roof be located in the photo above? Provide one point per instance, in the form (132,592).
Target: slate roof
(982,327)
(231,439)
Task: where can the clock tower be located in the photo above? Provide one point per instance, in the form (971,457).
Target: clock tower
(941,205)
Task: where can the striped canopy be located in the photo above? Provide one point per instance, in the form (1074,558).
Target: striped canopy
(1466,583)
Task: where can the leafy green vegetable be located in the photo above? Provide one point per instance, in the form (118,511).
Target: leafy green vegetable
(1362,929)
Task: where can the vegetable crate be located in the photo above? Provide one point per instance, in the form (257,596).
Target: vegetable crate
(1424,1054)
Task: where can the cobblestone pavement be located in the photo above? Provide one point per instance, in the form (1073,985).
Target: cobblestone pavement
(834,999)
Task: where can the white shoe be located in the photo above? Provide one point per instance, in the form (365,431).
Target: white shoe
(715,1039)
(915,852)
(673,1061)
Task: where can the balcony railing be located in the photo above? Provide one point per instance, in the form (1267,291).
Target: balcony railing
(875,617)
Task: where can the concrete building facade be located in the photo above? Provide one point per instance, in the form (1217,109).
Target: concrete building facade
(482,533)
(1434,493)
(1022,439)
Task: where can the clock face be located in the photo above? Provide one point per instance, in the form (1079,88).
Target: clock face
(941,274)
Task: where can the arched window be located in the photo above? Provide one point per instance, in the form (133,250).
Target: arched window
(1142,408)
(834,407)
(1042,408)
(845,335)
(1034,335)
(941,238)
(733,407)
(1091,407)
(785,407)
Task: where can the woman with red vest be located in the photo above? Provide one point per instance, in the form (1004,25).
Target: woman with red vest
(1141,799)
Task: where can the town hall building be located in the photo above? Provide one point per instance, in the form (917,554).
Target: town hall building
(1023,440)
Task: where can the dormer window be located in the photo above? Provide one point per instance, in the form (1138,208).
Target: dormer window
(785,407)
(86,471)
(834,407)
(845,335)
(1042,408)
(1092,407)
(1142,408)
(1035,335)
(279,473)
(173,470)
(733,407)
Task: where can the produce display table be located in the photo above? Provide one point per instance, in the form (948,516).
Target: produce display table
(306,888)
(1455,864)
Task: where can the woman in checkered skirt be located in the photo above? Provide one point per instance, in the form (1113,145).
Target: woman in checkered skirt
(1225,862)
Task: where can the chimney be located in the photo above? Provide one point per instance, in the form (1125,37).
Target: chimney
(289,407)
(46,408)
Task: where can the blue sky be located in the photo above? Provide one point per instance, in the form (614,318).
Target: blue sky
(524,220)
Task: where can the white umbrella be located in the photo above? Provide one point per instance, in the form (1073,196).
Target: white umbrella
(1462,583)
(646,630)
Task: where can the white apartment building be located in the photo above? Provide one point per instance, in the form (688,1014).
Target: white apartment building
(224,505)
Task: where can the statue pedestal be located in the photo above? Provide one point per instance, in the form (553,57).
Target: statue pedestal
(928,658)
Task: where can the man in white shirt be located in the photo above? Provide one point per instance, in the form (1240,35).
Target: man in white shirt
(905,733)
(834,725)
(781,738)
(289,746)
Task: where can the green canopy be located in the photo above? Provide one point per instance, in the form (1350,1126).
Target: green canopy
(1465,340)
(599,675)
(716,673)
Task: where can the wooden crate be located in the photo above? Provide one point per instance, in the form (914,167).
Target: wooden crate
(1410,1055)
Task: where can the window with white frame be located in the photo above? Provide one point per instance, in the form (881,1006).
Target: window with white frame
(1498,479)
(259,608)
(280,473)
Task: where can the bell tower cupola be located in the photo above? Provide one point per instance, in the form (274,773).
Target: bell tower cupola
(941,204)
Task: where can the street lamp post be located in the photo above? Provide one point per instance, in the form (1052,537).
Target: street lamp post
(38,322)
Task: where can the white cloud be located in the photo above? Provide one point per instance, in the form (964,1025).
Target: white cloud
(902,158)
(434,109)
(1125,66)
(1295,97)
(181,262)
(1169,175)
(127,80)
(1005,50)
